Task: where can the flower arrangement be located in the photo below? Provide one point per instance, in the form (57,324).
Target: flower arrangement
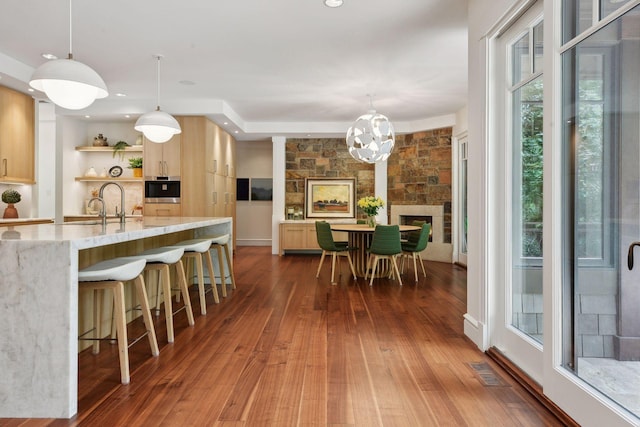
(370,205)
(11,196)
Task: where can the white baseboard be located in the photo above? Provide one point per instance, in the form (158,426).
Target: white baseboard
(475,331)
(253,242)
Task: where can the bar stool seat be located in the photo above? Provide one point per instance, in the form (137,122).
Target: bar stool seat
(195,249)
(221,242)
(110,274)
(159,259)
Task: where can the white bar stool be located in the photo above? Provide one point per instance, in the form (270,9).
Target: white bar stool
(219,243)
(195,249)
(111,274)
(159,259)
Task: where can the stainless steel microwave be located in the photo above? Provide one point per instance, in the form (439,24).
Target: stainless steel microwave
(162,190)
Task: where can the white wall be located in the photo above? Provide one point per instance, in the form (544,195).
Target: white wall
(254,159)
(483,14)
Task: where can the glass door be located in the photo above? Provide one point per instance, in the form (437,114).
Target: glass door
(601,148)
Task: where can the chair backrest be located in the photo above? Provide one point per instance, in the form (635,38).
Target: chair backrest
(423,238)
(414,236)
(386,240)
(324,235)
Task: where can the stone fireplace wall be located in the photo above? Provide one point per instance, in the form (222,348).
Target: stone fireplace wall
(419,173)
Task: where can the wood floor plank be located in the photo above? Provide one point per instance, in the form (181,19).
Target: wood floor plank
(287,349)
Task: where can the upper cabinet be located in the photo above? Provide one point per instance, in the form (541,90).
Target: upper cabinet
(163,159)
(17,137)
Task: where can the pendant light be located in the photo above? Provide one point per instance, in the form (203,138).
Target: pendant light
(69,83)
(371,138)
(158,126)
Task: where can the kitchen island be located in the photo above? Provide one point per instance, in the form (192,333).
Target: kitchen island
(39,300)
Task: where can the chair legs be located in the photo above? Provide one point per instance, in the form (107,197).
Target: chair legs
(416,260)
(372,265)
(334,256)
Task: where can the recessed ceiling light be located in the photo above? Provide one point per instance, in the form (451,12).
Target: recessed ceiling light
(127,116)
(333,3)
(235,131)
(87,117)
(121,94)
(49,56)
(187,82)
(226,123)
(30,89)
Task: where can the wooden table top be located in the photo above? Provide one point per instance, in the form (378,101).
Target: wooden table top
(364,228)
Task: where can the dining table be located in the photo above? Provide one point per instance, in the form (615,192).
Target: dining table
(360,237)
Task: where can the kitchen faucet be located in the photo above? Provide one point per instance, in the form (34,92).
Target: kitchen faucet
(104,211)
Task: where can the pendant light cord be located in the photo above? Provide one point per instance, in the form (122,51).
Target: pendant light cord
(158,82)
(70,31)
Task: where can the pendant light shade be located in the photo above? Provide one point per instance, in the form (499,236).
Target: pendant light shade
(69,83)
(158,126)
(371,138)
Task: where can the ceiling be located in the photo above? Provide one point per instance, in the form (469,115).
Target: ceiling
(264,67)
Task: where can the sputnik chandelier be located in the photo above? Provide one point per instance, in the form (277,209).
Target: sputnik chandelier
(371,138)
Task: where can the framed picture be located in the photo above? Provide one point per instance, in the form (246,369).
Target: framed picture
(330,198)
(242,189)
(261,189)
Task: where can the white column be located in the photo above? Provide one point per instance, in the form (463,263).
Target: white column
(279,190)
(381,190)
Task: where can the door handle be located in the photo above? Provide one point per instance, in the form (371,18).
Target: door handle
(630,255)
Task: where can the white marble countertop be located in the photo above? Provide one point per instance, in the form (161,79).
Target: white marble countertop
(90,234)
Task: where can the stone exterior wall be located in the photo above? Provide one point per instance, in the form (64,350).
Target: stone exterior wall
(419,170)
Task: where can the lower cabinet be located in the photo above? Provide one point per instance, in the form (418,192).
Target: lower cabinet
(298,236)
(162,209)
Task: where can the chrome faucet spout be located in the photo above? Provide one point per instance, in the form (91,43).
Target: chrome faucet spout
(122,214)
(103,211)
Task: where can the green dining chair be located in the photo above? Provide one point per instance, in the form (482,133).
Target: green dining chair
(336,249)
(385,244)
(416,243)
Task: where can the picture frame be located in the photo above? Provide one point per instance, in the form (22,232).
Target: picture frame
(262,189)
(330,198)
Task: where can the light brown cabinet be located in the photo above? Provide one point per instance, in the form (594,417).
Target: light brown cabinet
(17,137)
(301,236)
(298,236)
(163,159)
(162,209)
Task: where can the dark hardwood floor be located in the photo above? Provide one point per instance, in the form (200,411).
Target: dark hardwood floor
(287,349)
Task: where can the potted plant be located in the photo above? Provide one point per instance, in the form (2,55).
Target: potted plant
(118,148)
(135,163)
(10,197)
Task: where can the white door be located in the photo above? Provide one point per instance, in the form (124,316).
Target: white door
(516,165)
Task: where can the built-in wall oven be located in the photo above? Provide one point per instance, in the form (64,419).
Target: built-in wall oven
(162,189)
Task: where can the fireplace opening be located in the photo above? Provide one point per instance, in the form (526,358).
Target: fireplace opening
(408,220)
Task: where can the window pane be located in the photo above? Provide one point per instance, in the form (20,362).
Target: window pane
(527,209)
(520,60)
(538,47)
(609,6)
(577,16)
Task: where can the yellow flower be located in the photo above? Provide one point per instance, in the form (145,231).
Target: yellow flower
(370,205)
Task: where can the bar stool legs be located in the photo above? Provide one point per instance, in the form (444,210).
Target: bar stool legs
(164,279)
(111,274)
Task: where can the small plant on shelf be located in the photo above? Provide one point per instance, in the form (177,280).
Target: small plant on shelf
(135,163)
(118,149)
(11,196)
